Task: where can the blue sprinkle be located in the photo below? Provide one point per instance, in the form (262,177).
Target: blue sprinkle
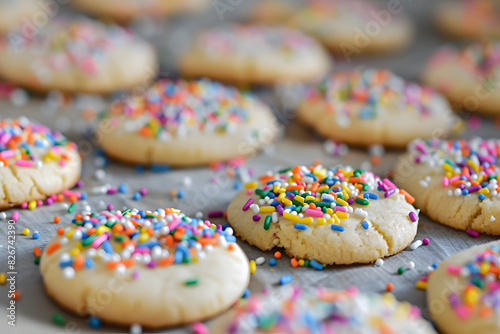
(286,279)
(369,195)
(494,248)
(272,262)
(481,198)
(83,196)
(230,238)
(365,224)
(435,265)
(237,185)
(123,188)
(137,196)
(181,194)
(140,169)
(107,247)
(94,322)
(246,293)
(89,263)
(316,265)
(338,228)
(178,257)
(36,235)
(465,192)
(300,226)
(157,168)
(68,263)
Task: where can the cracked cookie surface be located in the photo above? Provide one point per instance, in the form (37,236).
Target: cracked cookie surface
(334,216)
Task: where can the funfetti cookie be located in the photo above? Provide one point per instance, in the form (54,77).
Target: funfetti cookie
(255,54)
(455,182)
(355,27)
(15,13)
(76,55)
(324,311)
(469,19)
(368,106)
(158,268)
(186,123)
(333,216)
(126,10)
(463,293)
(35,162)
(467,76)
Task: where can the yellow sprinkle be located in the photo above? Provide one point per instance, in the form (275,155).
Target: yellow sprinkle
(102,229)
(287,202)
(344,194)
(484,191)
(26,231)
(282,190)
(74,252)
(291,217)
(336,218)
(251,185)
(253,267)
(321,221)
(347,174)
(330,221)
(69,235)
(213,226)
(3,278)
(485,267)
(176,211)
(306,220)
(388,298)
(473,165)
(281,196)
(143,237)
(403,310)
(32,205)
(329,211)
(320,189)
(421,285)
(310,198)
(267,209)
(299,198)
(342,202)
(276,188)
(472,296)
(341,215)
(345,189)
(301,262)
(449,174)
(448,167)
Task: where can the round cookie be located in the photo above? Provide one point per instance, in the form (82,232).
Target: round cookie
(324,311)
(332,216)
(126,10)
(255,54)
(153,268)
(12,13)
(368,106)
(35,162)
(355,27)
(463,292)
(467,76)
(271,12)
(77,55)
(455,183)
(186,123)
(469,19)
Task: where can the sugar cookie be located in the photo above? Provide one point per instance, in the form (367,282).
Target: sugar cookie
(355,27)
(333,216)
(323,311)
(271,12)
(126,10)
(469,19)
(12,13)
(255,54)
(35,162)
(467,76)
(367,106)
(454,182)
(185,123)
(77,55)
(463,292)
(152,268)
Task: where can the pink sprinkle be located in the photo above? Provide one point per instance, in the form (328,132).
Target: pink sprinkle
(15,216)
(99,240)
(135,274)
(143,191)
(7,154)
(472,233)
(109,207)
(446,181)
(62,163)
(249,192)
(142,250)
(24,163)
(265,187)
(39,202)
(213,180)
(174,223)
(49,201)
(423,279)
(474,122)
(453,269)
(314,213)
(389,184)
(340,208)
(24,205)
(199,328)
(248,203)
(463,312)
(425,241)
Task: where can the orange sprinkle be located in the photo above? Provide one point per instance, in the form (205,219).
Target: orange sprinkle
(60,197)
(294,262)
(112,264)
(37,251)
(128,262)
(78,217)
(314,186)
(409,198)
(15,295)
(78,263)
(60,231)
(296,169)
(485,311)
(277,255)
(57,219)
(389,287)
(166,261)
(170,241)
(118,228)
(145,132)
(52,248)
(230,247)
(294,188)
(73,198)
(376,160)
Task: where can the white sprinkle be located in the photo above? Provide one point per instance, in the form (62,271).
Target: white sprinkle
(260,260)
(100,174)
(68,273)
(274,217)
(120,269)
(492,219)
(199,215)
(229,231)
(187,181)
(410,265)
(423,183)
(379,263)
(416,244)
(3,215)
(361,212)
(135,329)
(255,208)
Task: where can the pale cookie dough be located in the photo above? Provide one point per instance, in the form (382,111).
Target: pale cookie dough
(35,162)
(186,123)
(271,12)
(77,55)
(355,27)
(463,293)
(281,210)
(469,19)
(152,268)
(467,76)
(324,311)
(15,13)
(368,106)
(255,54)
(455,183)
(126,10)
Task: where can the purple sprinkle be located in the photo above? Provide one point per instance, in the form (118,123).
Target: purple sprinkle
(247,204)
(219,227)
(472,233)
(454,300)
(79,184)
(109,207)
(280,209)
(49,201)
(135,274)
(350,201)
(112,191)
(413,216)
(389,193)
(143,191)
(151,264)
(256,218)
(425,241)
(474,188)
(215,214)
(290,195)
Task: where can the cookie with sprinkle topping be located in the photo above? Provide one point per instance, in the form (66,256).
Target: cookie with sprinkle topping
(186,123)
(255,54)
(467,76)
(153,268)
(77,54)
(368,106)
(324,311)
(463,293)
(13,11)
(334,215)
(455,182)
(35,162)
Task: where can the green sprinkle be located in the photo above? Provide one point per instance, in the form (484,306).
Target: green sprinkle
(192,281)
(126,211)
(322,204)
(307,263)
(298,209)
(120,238)
(58,319)
(358,172)
(267,223)
(294,201)
(72,207)
(110,224)
(78,222)
(477,282)
(151,216)
(284,170)
(37,260)
(362,201)
(93,214)
(262,193)
(401,271)
(89,240)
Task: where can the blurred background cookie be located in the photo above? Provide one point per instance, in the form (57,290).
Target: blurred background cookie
(13,13)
